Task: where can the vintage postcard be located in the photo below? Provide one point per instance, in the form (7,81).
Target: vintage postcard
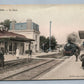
(41,42)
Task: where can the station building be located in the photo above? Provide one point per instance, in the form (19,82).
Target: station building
(10,41)
(30,30)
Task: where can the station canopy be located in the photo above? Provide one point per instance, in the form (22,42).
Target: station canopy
(5,35)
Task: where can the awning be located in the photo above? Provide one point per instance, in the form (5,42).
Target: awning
(14,36)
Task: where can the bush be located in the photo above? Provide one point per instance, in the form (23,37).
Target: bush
(27,51)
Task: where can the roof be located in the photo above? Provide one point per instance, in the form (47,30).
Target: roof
(14,36)
(81,34)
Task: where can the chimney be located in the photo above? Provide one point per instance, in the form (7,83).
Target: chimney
(13,24)
(29,24)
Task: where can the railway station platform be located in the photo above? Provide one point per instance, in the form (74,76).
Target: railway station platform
(13,57)
(69,69)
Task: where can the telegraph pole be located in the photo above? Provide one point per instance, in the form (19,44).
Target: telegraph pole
(50,37)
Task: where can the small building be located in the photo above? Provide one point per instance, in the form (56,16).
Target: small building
(30,30)
(11,41)
(81,36)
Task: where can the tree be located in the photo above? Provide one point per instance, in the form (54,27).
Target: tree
(42,41)
(53,43)
(6,23)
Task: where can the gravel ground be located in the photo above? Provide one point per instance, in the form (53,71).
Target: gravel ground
(59,55)
(11,66)
(34,73)
(22,65)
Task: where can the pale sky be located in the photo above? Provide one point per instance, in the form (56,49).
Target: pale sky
(65,18)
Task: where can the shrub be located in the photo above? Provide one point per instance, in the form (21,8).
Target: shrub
(27,51)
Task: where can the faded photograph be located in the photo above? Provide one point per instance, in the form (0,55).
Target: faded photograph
(41,42)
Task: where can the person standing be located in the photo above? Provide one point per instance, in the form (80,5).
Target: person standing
(17,53)
(77,52)
(82,59)
(2,57)
(30,55)
(30,52)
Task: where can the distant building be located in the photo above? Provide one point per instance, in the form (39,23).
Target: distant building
(30,30)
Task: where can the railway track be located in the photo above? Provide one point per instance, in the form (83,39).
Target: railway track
(34,72)
(13,63)
(16,64)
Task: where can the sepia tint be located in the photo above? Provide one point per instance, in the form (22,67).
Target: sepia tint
(41,42)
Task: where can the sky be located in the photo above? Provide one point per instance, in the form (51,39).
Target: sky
(65,19)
